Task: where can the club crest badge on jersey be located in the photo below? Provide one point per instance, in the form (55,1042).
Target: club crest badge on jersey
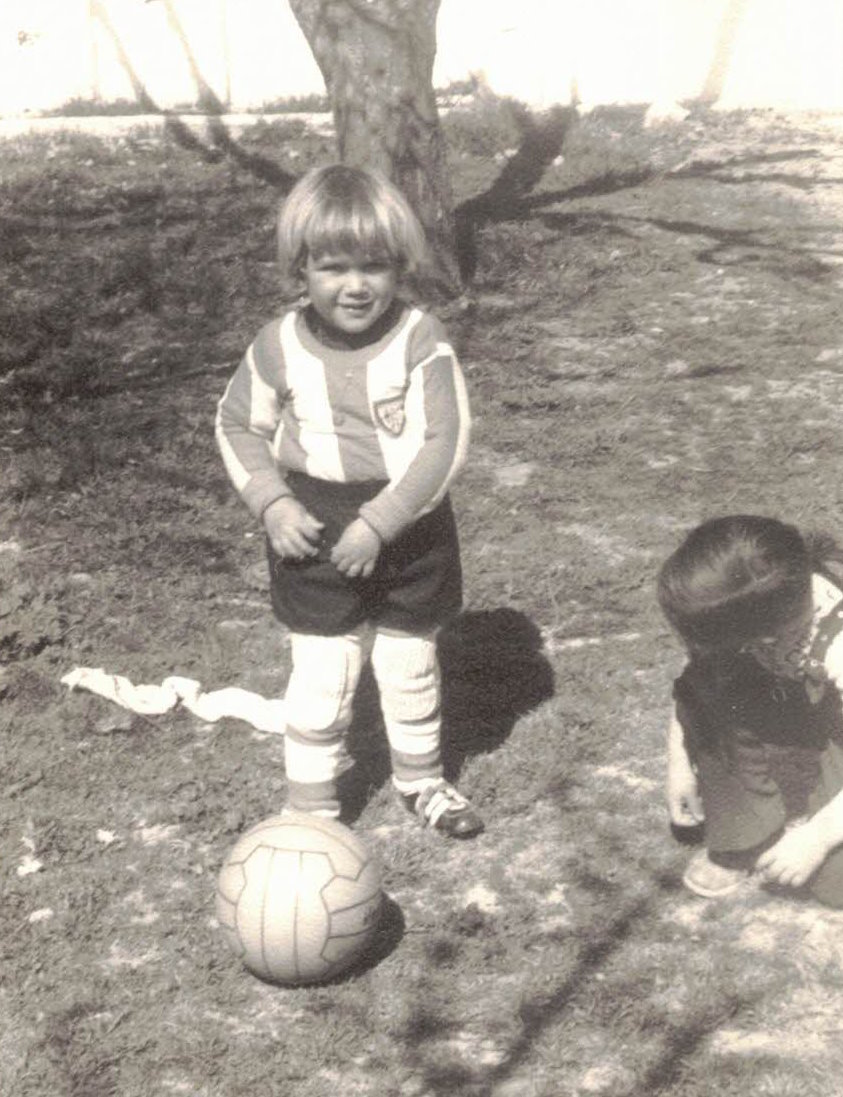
(390,414)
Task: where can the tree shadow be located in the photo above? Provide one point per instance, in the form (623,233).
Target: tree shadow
(509,198)
(726,246)
(519,207)
(613,181)
(706,168)
(493,672)
(541,142)
(681,1041)
(222,143)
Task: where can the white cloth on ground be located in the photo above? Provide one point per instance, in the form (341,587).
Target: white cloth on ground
(262,713)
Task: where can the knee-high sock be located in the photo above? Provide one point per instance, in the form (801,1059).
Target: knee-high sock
(407,672)
(326,670)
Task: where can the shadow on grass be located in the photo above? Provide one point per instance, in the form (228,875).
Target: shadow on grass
(727,246)
(493,672)
(612,181)
(683,1042)
(223,144)
(679,1045)
(510,197)
(389,935)
(690,836)
(535,1014)
(541,143)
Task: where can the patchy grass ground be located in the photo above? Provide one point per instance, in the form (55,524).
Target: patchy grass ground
(654,337)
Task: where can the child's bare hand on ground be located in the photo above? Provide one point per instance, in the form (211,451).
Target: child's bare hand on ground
(292,530)
(684,804)
(357,551)
(683,800)
(795,857)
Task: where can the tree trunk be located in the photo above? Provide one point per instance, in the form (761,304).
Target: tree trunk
(376,57)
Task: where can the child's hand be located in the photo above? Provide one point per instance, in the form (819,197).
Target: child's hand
(357,551)
(683,798)
(795,857)
(292,530)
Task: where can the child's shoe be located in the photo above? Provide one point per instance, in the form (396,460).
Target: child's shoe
(704,877)
(441,807)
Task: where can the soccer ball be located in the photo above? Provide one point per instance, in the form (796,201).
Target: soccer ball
(298,898)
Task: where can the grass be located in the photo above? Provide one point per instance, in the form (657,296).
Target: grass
(652,336)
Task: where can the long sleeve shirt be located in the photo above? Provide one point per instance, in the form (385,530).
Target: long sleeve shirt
(395,411)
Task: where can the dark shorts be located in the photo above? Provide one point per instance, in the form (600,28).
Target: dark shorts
(416,584)
(764,754)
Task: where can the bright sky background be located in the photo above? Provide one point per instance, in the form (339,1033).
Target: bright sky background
(783,52)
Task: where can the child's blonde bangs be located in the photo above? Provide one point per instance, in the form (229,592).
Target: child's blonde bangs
(355,230)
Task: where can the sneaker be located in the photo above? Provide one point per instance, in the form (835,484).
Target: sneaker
(441,807)
(704,877)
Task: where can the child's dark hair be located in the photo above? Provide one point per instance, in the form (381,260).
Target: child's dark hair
(737,578)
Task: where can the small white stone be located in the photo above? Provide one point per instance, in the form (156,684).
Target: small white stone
(663,112)
(677,368)
(515,476)
(483,898)
(29,865)
(830,354)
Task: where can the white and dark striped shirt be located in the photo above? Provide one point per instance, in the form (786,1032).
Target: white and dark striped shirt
(396,410)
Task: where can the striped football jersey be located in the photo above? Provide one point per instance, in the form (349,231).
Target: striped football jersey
(395,411)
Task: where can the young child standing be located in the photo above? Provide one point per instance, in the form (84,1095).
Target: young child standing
(342,429)
(758,702)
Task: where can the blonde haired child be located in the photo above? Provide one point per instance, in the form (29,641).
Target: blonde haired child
(758,703)
(344,209)
(342,430)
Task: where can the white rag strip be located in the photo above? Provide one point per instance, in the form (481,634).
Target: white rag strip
(261,713)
